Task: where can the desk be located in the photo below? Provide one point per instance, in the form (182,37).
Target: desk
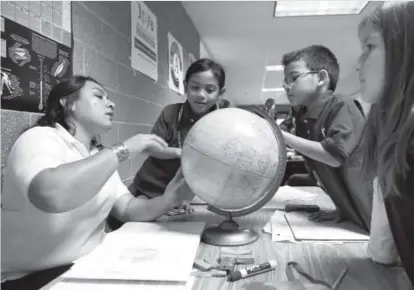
(322,261)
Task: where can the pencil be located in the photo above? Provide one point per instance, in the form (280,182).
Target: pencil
(338,281)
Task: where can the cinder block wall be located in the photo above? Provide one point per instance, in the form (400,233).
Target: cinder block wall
(102,37)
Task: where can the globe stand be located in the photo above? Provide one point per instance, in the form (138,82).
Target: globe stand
(229,234)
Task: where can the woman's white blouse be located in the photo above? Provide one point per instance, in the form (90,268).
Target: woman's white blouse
(31,238)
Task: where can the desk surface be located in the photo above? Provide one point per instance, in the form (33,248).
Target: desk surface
(322,261)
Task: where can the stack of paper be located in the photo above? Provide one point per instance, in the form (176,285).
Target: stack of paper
(281,232)
(305,229)
(295,227)
(124,285)
(159,252)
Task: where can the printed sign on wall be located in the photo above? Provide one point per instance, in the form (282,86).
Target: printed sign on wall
(175,65)
(144,42)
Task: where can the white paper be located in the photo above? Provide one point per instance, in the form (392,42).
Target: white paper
(143,251)
(175,65)
(144,40)
(305,229)
(289,195)
(124,285)
(281,232)
(268,228)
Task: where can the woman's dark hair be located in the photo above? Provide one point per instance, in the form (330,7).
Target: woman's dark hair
(389,129)
(206,64)
(55,113)
(269,103)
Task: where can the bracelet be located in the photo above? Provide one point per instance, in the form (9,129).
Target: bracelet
(121,151)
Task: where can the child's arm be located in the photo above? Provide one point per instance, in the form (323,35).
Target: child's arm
(167,153)
(162,129)
(341,137)
(381,247)
(311,149)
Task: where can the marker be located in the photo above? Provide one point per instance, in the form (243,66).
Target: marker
(252,271)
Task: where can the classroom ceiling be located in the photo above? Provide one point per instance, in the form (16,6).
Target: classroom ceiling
(245,37)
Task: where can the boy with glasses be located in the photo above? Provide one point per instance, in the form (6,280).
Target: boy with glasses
(327,132)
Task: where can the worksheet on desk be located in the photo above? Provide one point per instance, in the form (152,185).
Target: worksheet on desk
(305,229)
(130,285)
(143,251)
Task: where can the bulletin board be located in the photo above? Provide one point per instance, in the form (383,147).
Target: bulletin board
(36,52)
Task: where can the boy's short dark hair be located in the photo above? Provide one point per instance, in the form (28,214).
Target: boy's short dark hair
(316,57)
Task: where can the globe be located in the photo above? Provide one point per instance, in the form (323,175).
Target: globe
(234,160)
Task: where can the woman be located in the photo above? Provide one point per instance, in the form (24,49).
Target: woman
(387,82)
(60,186)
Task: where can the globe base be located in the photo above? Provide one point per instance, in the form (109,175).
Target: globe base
(229,234)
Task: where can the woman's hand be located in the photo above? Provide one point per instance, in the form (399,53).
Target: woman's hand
(178,191)
(145,142)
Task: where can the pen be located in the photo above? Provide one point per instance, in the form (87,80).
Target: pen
(252,271)
(339,280)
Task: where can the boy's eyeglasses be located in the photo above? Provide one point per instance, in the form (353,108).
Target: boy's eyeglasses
(293,79)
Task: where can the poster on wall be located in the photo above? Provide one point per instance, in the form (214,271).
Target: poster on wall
(191,58)
(175,65)
(144,41)
(36,52)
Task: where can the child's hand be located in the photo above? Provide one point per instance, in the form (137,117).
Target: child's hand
(324,215)
(184,209)
(186,206)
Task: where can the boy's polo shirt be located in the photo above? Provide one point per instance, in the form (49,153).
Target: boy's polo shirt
(32,239)
(337,125)
(155,174)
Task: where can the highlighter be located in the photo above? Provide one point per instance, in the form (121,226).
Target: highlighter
(252,271)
